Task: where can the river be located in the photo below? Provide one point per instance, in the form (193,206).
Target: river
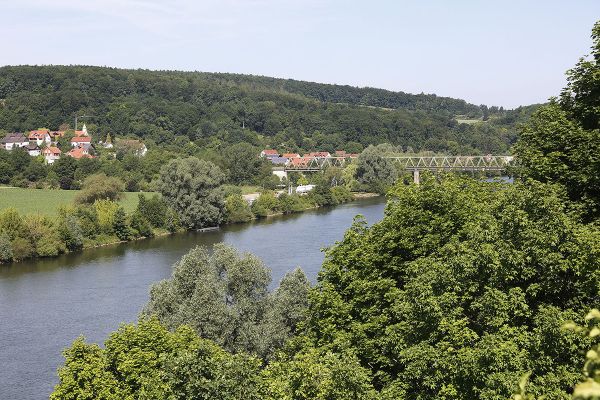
(45,304)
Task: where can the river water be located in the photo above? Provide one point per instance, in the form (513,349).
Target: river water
(45,304)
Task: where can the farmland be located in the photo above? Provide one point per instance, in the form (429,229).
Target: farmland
(47,201)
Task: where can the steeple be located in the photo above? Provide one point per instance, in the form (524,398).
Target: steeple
(84,130)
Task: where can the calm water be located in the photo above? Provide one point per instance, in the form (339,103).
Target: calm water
(46,304)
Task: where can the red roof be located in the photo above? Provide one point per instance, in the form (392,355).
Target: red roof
(320,154)
(291,155)
(56,133)
(38,134)
(270,152)
(300,161)
(81,139)
(52,150)
(80,133)
(78,153)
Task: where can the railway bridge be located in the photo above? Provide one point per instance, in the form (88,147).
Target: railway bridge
(416,164)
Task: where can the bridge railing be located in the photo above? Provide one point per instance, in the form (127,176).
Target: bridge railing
(456,163)
(416,163)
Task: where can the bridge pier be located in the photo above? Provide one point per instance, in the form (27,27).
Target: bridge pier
(416,177)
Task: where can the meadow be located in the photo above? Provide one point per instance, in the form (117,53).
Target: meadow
(47,201)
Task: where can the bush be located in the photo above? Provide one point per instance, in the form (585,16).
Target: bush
(105,211)
(172,222)
(265,204)
(154,209)
(11,223)
(292,203)
(100,187)
(120,226)
(88,221)
(237,209)
(22,249)
(341,194)
(140,225)
(70,232)
(6,251)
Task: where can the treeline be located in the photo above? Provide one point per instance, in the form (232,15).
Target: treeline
(212,111)
(464,290)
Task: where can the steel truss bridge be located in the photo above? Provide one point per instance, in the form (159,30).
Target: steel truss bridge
(416,164)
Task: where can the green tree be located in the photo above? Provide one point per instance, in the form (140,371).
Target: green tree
(225,298)
(312,375)
(243,163)
(237,209)
(148,361)
(192,188)
(374,171)
(65,168)
(6,252)
(120,226)
(154,209)
(11,223)
(100,187)
(460,289)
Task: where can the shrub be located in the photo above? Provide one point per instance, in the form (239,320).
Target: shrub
(88,221)
(120,226)
(11,223)
(291,203)
(100,187)
(22,249)
(154,209)
(70,232)
(140,225)
(237,209)
(105,211)
(265,204)
(341,194)
(6,251)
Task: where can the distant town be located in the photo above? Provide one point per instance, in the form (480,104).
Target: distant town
(45,142)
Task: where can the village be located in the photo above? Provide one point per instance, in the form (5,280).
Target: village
(45,142)
(295,160)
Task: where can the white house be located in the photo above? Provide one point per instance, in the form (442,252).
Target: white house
(51,154)
(13,140)
(40,136)
(33,149)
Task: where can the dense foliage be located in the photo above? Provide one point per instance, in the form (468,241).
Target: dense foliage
(188,111)
(561,142)
(224,296)
(459,290)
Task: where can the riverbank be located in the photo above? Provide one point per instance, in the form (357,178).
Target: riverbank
(17,249)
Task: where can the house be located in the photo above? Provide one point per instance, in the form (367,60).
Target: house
(319,154)
(40,136)
(134,146)
(82,132)
(291,155)
(79,152)
(299,162)
(51,154)
(33,149)
(78,141)
(279,160)
(341,153)
(13,140)
(269,153)
(55,135)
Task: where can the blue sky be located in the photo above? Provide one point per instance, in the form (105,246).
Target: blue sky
(506,53)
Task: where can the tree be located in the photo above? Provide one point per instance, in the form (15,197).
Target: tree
(581,97)
(244,164)
(120,227)
(154,209)
(312,375)
(6,252)
(561,141)
(225,298)
(374,171)
(460,289)
(191,187)
(65,168)
(237,209)
(100,187)
(148,361)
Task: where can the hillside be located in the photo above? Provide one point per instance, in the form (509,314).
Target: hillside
(210,108)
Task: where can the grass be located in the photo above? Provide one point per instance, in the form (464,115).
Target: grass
(47,201)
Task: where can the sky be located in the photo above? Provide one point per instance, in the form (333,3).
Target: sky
(507,53)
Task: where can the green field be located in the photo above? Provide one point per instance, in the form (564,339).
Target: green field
(47,201)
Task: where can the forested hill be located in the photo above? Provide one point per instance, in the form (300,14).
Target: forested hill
(346,94)
(166,107)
